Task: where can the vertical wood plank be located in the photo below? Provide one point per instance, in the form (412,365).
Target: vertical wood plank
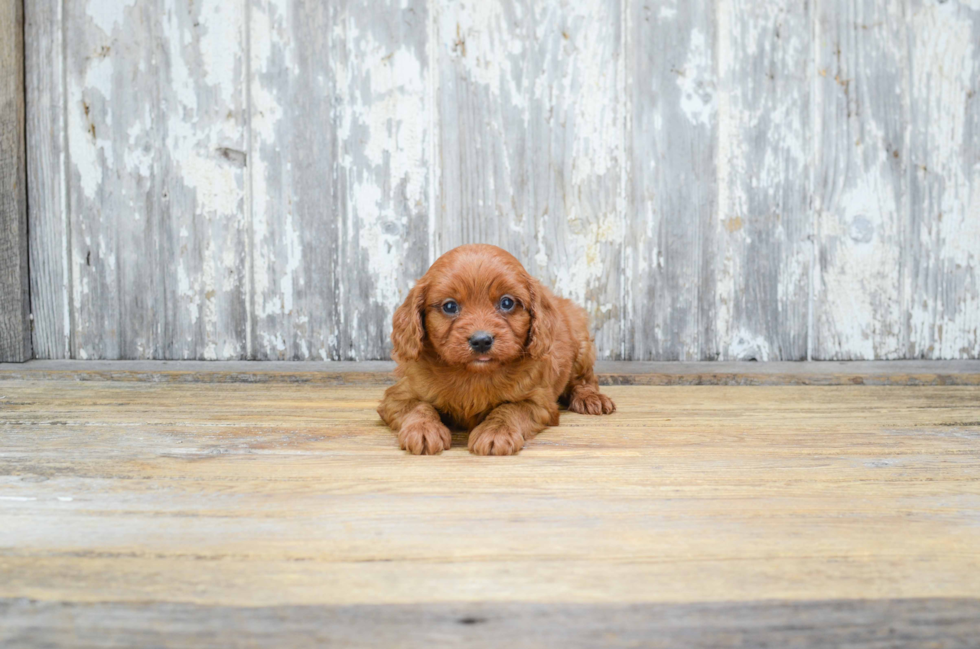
(943,246)
(103,309)
(15,324)
(295,207)
(861,188)
(758,252)
(484,79)
(206,227)
(46,179)
(341,128)
(674,131)
(532,143)
(385,124)
(577,163)
(156,138)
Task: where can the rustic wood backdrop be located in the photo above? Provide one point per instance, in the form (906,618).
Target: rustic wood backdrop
(724,179)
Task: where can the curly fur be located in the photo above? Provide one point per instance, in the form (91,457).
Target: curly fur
(542,354)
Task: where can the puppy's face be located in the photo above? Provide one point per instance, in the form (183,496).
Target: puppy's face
(475,309)
(476,314)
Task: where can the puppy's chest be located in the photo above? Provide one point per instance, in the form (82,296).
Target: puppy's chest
(468,401)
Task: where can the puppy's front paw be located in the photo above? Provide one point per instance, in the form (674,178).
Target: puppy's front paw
(492,438)
(591,402)
(424,437)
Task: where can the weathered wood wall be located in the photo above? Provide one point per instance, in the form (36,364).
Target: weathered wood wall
(727,179)
(15,323)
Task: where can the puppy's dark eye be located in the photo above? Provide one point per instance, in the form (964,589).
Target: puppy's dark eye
(507,303)
(449,307)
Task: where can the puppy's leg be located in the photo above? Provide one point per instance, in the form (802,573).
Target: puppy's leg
(582,393)
(506,428)
(417,423)
(584,398)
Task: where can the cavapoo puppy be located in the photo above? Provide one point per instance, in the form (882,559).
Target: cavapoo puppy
(482,345)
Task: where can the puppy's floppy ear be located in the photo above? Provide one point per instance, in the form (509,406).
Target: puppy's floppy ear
(407,330)
(540,333)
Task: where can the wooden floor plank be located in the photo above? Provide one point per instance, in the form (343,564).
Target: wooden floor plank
(145,497)
(842,624)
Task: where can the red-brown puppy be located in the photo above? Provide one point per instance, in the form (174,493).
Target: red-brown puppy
(483,346)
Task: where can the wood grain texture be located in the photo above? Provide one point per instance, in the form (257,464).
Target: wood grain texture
(50,265)
(157,147)
(144,501)
(861,185)
(15,323)
(674,129)
(847,624)
(531,141)
(943,245)
(756,292)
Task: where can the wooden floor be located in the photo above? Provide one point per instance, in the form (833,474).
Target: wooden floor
(140,513)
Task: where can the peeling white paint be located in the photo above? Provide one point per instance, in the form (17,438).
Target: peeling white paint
(89,124)
(470,32)
(863,277)
(696,81)
(551,89)
(191,296)
(590,84)
(761,54)
(728,165)
(384,96)
(219,188)
(267,27)
(862,197)
(575,279)
(749,346)
(107,14)
(221,26)
(943,322)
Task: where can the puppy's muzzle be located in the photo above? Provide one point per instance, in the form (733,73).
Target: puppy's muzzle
(481,342)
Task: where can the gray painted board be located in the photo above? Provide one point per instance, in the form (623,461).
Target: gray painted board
(755,291)
(674,188)
(50,266)
(340,179)
(385,124)
(712,180)
(156,118)
(531,134)
(15,325)
(860,189)
(942,301)
(294,300)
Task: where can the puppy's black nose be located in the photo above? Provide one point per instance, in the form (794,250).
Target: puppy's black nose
(481,342)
